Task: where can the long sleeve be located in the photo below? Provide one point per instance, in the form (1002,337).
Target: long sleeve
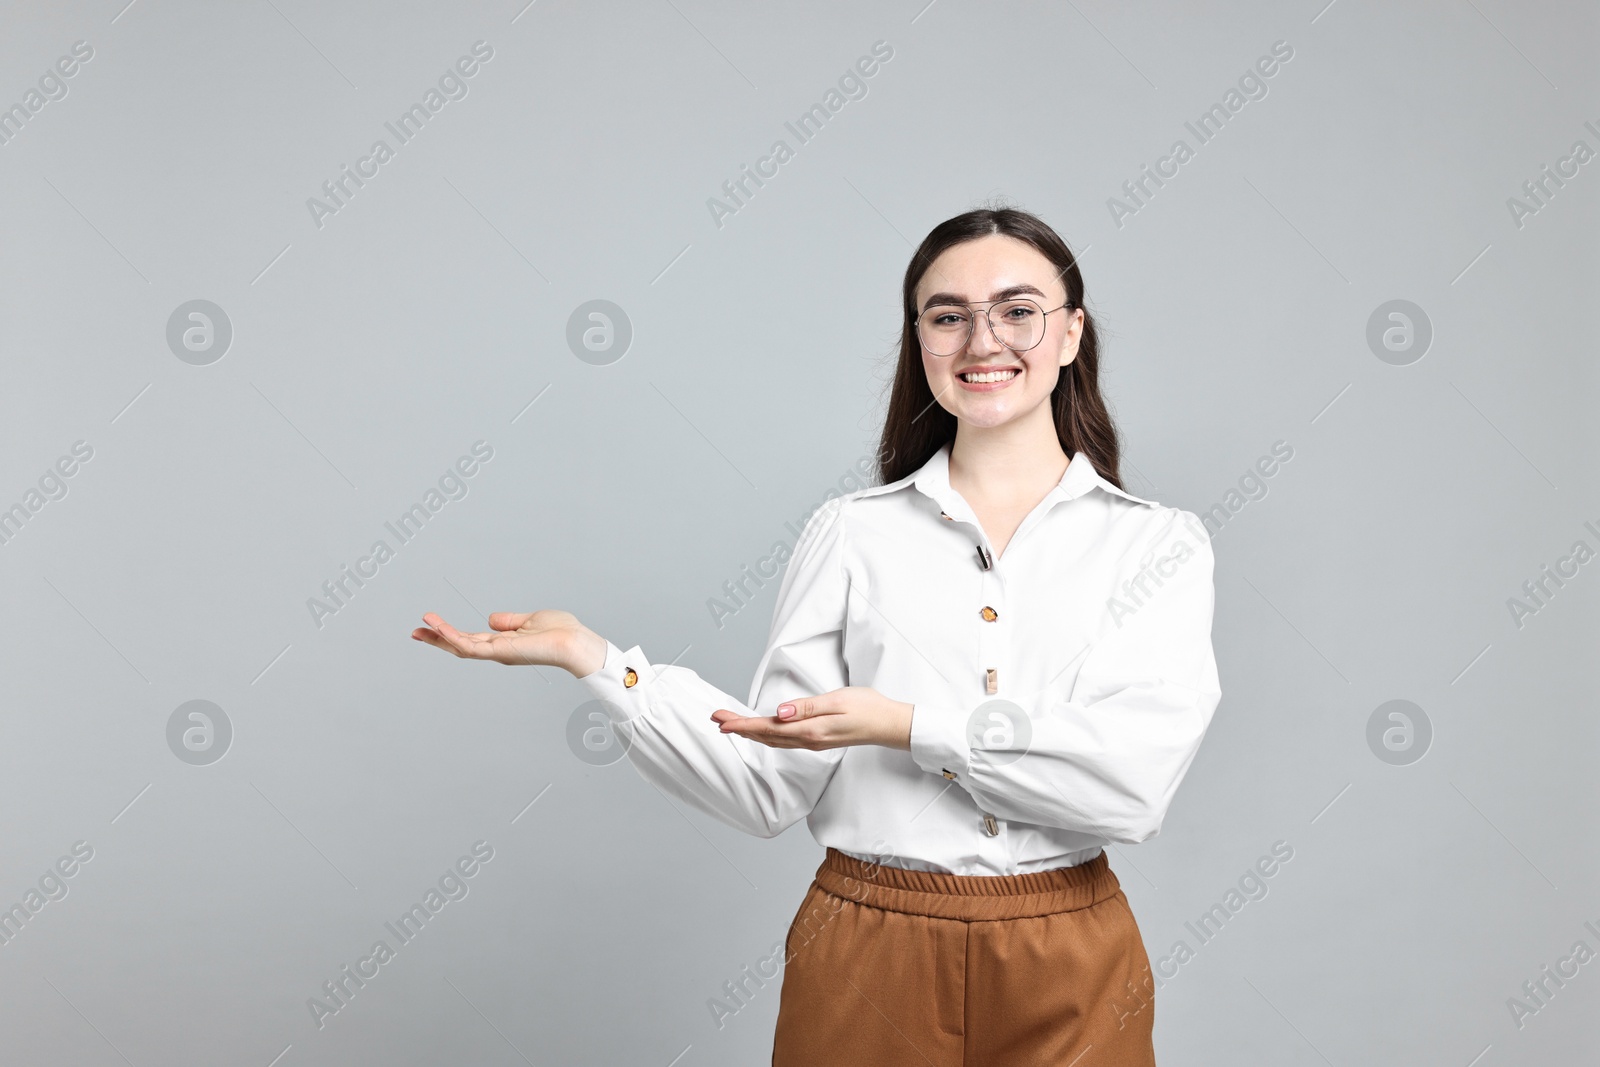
(1105,758)
(664,717)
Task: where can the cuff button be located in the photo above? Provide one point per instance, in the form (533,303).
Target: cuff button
(630,678)
(950,774)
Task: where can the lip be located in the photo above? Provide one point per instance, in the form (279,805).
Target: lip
(986,387)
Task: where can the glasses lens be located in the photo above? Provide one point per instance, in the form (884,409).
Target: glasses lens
(1018,324)
(944,329)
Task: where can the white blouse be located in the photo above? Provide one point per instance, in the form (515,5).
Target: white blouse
(1060,691)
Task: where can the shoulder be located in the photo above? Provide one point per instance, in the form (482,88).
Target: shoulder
(838,505)
(1151,524)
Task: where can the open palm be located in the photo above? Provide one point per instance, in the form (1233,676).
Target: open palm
(549,637)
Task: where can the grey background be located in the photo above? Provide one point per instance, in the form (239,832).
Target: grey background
(369,354)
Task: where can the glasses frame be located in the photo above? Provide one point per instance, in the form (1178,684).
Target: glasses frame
(972,316)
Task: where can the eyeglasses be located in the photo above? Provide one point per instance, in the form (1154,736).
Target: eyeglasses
(944,329)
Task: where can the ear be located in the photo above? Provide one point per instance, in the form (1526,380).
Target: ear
(1069,345)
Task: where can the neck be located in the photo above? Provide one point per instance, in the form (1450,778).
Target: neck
(1020,458)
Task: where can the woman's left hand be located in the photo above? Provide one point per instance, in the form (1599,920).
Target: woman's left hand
(854,715)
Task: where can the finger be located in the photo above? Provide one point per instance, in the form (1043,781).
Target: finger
(431,637)
(808,707)
(771,741)
(726,718)
(508,620)
(472,646)
(768,731)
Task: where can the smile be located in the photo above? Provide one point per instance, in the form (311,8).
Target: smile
(988,377)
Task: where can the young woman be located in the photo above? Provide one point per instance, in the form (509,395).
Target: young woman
(980,672)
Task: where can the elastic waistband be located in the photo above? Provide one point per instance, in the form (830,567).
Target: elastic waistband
(968,897)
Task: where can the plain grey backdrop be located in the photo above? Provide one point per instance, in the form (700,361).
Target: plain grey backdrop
(349,355)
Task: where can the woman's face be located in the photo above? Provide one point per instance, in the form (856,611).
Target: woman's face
(980,272)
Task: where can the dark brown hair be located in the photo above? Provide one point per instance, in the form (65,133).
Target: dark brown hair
(915,427)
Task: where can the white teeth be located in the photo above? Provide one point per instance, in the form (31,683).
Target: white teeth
(992,376)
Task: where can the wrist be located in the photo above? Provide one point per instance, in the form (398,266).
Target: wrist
(900,725)
(586,652)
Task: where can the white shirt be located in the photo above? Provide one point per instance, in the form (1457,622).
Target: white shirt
(1100,642)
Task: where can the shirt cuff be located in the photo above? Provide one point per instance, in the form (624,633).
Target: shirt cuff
(939,741)
(622,683)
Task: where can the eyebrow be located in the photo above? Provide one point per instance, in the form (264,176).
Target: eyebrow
(999,294)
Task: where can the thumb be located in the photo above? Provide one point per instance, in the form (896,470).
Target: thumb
(507,620)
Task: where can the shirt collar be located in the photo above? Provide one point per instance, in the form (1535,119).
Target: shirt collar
(933,480)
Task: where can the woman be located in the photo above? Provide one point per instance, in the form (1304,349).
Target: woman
(980,672)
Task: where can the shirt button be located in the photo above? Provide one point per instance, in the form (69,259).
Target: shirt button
(950,774)
(990,827)
(989,614)
(942,515)
(630,678)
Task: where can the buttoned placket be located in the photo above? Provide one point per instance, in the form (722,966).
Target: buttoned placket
(993,653)
(995,642)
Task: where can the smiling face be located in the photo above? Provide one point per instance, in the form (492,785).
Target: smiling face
(1010,384)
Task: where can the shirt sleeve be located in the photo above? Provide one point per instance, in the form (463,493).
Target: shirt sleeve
(1105,758)
(664,717)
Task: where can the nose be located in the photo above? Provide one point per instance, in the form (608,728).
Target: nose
(983,341)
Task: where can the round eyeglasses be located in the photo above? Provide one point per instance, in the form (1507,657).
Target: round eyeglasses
(944,329)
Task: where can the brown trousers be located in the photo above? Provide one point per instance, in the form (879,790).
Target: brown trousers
(886,967)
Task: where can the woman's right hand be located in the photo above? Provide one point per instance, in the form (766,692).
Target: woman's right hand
(549,637)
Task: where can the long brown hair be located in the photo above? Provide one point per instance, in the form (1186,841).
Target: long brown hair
(915,427)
